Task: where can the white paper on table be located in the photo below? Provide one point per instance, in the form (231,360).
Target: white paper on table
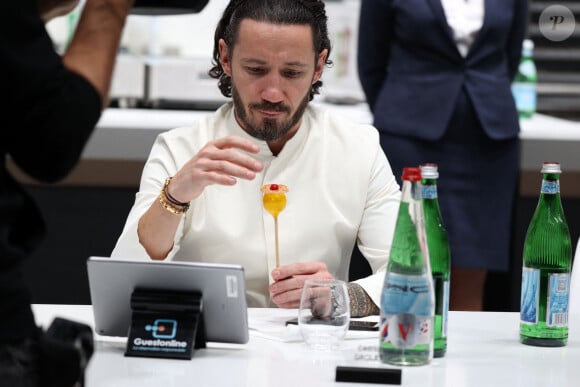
(273,326)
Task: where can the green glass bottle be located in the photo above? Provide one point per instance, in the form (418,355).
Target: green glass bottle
(407,300)
(439,255)
(525,84)
(547,262)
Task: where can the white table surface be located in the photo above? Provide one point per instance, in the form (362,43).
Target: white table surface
(483,350)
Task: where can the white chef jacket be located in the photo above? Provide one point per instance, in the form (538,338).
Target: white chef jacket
(341,191)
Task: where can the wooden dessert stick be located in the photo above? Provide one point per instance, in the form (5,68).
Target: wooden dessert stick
(276,235)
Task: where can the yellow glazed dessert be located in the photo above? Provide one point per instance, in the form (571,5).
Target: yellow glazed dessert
(274,198)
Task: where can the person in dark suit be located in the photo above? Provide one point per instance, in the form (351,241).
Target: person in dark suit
(53,105)
(437,77)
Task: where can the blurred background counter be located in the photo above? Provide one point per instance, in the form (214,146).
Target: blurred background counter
(117,150)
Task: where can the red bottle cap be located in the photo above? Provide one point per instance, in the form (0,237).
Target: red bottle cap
(412,174)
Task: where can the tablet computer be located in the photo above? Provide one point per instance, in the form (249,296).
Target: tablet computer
(112,281)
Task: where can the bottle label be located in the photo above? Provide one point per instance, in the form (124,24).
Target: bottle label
(406,330)
(525,96)
(429,192)
(530,295)
(557,306)
(557,298)
(550,187)
(407,308)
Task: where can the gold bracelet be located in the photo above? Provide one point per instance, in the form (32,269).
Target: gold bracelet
(170,198)
(171,205)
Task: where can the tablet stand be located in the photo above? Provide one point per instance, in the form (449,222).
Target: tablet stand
(165,324)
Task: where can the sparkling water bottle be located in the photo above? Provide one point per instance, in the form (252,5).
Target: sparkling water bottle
(525,84)
(439,255)
(407,301)
(547,263)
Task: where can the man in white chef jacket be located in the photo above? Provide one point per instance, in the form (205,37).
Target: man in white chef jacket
(200,195)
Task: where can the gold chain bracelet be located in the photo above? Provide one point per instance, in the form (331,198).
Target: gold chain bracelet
(170,203)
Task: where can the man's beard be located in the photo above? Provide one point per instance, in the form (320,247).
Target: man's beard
(269,129)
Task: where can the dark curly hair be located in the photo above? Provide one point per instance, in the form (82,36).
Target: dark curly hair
(291,12)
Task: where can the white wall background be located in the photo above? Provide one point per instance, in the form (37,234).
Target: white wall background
(191,36)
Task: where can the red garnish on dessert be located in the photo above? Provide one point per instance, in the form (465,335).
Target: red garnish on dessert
(274,187)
